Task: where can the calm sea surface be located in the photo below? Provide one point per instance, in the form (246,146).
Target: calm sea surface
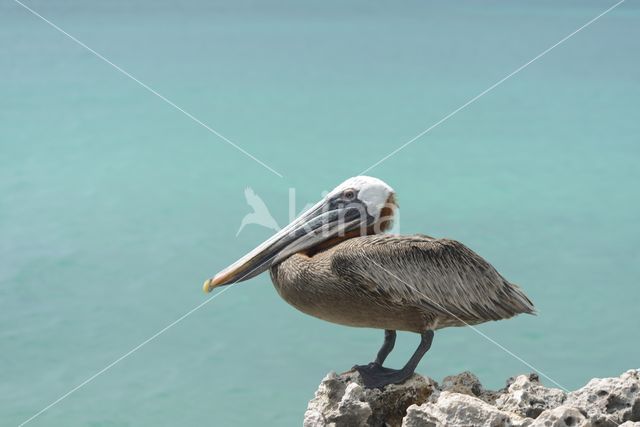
(114,206)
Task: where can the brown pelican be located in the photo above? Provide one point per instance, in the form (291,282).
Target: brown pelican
(333,262)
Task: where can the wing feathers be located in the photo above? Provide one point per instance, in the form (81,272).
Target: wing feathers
(441,275)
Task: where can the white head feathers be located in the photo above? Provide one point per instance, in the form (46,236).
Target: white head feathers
(373,192)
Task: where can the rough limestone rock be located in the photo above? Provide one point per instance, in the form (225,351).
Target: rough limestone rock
(455,409)
(528,398)
(609,401)
(562,416)
(467,383)
(341,400)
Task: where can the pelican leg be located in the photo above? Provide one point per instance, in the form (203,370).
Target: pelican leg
(387,346)
(374,375)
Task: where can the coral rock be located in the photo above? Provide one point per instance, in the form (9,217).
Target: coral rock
(528,398)
(467,383)
(454,409)
(562,416)
(342,400)
(609,401)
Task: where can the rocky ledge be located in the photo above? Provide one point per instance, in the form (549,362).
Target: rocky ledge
(341,400)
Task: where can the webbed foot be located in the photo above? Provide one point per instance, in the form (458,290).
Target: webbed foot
(375,375)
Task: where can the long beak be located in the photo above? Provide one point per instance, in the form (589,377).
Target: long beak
(319,223)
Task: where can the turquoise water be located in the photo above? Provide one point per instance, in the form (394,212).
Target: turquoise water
(114,206)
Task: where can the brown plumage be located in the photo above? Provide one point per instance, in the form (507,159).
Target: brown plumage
(409,283)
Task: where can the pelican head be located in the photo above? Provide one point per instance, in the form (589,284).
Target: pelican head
(360,205)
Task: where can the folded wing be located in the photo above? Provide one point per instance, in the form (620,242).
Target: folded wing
(441,275)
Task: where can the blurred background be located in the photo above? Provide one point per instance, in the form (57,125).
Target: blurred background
(115,206)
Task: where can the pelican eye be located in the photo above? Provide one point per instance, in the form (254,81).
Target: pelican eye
(349,194)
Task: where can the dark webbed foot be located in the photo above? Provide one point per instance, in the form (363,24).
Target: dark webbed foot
(376,376)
